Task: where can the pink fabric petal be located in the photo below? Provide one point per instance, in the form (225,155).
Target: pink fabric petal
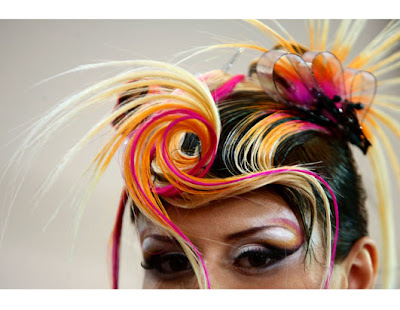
(287,77)
(328,72)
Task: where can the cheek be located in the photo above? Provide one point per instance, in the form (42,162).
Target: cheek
(308,272)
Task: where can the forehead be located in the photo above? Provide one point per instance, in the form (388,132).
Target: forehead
(231,215)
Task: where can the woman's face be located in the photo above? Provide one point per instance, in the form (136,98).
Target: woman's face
(250,241)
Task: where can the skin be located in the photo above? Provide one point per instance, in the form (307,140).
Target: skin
(243,241)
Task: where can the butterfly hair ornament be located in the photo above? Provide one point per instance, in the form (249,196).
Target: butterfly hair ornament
(316,84)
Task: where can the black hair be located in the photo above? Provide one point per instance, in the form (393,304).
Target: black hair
(327,155)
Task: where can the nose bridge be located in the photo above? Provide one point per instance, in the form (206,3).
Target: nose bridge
(217,269)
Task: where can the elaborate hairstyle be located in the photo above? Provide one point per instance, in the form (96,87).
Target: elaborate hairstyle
(188,145)
(188,140)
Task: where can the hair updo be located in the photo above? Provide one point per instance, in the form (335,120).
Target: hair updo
(325,154)
(247,115)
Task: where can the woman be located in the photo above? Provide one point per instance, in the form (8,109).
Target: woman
(234,197)
(248,181)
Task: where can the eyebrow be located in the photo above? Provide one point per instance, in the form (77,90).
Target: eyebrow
(247,232)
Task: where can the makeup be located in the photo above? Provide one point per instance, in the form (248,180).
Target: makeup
(154,244)
(279,232)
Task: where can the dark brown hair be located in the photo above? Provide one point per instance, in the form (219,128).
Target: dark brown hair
(327,155)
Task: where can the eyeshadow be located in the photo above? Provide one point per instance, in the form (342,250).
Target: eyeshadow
(278,232)
(285,225)
(154,244)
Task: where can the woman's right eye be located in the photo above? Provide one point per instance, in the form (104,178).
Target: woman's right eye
(167,263)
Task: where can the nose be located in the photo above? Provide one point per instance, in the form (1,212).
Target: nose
(218,273)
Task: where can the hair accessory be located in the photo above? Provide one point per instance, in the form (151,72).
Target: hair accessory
(316,84)
(228,66)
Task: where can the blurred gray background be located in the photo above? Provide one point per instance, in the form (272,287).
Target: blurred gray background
(38,252)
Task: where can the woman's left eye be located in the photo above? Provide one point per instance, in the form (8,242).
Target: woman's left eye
(255,258)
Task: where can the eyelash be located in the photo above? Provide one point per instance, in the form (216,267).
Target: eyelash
(161,263)
(259,258)
(251,259)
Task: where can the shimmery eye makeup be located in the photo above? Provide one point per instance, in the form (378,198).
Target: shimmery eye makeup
(285,233)
(164,257)
(157,244)
(166,264)
(288,224)
(256,258)
(259,248)
(253,251)
(279,232)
